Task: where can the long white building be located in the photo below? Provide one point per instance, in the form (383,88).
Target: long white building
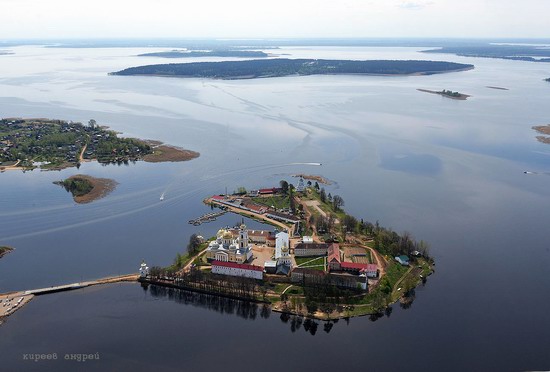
(236,269)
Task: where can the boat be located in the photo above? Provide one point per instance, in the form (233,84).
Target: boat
(162,197)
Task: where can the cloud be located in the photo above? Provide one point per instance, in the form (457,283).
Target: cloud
(414,5)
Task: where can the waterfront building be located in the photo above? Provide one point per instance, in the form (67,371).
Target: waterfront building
(228,249)
(403,260)
(237,269)
(143,270)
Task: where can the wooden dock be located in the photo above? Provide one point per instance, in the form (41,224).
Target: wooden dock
(12,301)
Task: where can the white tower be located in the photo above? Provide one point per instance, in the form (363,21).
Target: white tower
(243,237)
(143,270)
(285,257)
(301,187)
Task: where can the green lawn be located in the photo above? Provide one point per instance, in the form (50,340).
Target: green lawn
(277,201)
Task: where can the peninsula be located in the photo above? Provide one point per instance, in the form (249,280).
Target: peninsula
(447,93)
(86,189)
(319,263)
(206,53)
(5,250)
(285,67)
(529,53)
(56,144)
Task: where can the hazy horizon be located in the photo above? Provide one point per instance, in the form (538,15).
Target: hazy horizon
(245,19)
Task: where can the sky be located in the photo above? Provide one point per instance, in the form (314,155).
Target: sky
(20,19)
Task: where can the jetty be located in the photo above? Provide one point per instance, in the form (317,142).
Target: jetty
(10,302)
(209,217)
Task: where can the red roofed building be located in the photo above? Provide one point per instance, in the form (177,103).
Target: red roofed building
(236,269)
(333,258)
(358,268)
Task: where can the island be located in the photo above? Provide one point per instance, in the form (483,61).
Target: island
(86,189)
(278,67)
(547,79)
(447,93)
(26,144)
(310,177)
(4,250)
(207,53)
(529,53)
(497,88)
(543,129)
(319,262)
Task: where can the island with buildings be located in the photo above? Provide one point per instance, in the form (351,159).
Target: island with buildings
(46,144)
(277,67)
(86,189)
(317,262)
(447,93)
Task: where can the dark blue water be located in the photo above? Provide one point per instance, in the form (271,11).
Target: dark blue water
(450,172)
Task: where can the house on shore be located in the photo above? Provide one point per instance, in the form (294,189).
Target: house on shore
(403,260)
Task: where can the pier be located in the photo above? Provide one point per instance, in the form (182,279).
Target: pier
(206,218)
(13,301)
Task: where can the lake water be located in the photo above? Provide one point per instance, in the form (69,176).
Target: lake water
(450,172)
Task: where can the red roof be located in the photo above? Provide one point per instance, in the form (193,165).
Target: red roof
(334,252)
(353,265)
(267,191)
(218,197)
(237,265)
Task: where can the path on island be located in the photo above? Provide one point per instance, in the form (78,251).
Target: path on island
(81,157)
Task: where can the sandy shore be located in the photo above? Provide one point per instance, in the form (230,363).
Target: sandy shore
(461,97)
(101,188)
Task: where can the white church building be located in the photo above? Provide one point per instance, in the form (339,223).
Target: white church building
(228,249)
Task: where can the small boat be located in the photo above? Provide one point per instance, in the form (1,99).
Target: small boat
(162,197)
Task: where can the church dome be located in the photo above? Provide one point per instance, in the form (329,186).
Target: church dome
(220,232)
(227,235)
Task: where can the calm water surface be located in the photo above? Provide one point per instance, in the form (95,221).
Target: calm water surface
(450,172)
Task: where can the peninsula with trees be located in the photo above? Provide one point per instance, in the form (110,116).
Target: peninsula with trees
(529,53)
(278,67)
(544,130)
(319,262)
(27,144)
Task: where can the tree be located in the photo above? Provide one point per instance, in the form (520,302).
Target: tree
(194,244)
(284,186)
(92,123)
(329,197)
(241,191)
(323,195)
(316,185)
(337,202)
(308,183)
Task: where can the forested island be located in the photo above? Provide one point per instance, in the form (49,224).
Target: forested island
(4,250)
(447,93)
(528,53)
(207,53)
(547,79)
(56,144)
(284,67)
(86,189)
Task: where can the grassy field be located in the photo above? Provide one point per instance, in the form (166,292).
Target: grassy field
(277,201)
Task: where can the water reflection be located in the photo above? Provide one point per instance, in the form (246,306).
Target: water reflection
(223,305)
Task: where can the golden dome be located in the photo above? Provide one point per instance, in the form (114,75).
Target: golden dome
(220,232)
(227,235)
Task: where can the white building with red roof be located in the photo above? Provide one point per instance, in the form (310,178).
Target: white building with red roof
(236,269)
